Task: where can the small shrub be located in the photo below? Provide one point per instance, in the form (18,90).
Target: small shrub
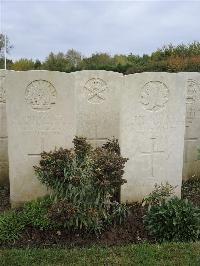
(11,226)
(83,180)
(174,220)
(108,170)
(75,218)
(35,213)
(112,145)
(90,219)
(159,195)
(53,166)
(81,148)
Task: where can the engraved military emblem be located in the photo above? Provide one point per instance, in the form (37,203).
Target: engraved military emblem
(193,91)
(154,95)
(96,89)
(40,94)
(2,91)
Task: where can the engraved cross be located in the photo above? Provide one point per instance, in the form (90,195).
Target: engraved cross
(154,151)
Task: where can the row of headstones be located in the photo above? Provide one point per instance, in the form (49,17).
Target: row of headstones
(150,113)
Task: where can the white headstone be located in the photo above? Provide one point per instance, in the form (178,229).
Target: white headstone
(3,131)
(192,131)
(41,116)
(152,132)
(97,101)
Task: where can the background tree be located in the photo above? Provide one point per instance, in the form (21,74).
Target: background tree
(2,51)
(23,64)
(56,62)
(37,64)
(73,57)
(2,45)
(169,58)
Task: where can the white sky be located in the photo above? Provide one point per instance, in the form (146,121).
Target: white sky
(36,28)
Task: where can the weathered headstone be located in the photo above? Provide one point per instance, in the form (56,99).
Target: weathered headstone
(192,131)
(97,101)
(41,116)
(3,132)
(152,132)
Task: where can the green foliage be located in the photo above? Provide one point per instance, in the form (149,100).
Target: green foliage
(11,226)
(35,213)
(112,146)
(191,190)
(82,149)
(8,63)
(108,170)
(75,218)
(118,213)
(23,64)
(83,180)
(52,169)
(159,195)
(181,50)
(56,62)
(174,220)
(86,218)
(66,171)
(170,58)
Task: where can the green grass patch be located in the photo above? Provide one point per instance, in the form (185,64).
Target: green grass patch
(143,254)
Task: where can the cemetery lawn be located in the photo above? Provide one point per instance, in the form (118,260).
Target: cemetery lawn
(142,254)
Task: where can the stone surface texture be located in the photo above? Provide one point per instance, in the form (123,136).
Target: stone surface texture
(41,116)
(192,131)
(151,113)
(4,176)
(98,97)
(152,132)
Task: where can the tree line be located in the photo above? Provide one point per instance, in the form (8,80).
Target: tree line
(169,58)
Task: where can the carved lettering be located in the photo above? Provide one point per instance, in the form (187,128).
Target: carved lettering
(42,122)
(192,101)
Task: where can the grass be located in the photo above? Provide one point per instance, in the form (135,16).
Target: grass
(143,254)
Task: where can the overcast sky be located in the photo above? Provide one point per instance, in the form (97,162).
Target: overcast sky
(36,28)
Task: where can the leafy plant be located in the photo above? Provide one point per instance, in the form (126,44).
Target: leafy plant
(112,145)
(35,213)
(159,195)
(83,180)
(118,213)
(11,226)
(81,148)
(191,190)
(108,170)
(173,220)
(75,219)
